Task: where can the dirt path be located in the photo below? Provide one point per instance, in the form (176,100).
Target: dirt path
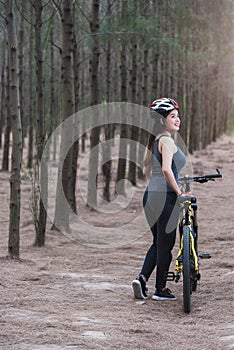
(71,296)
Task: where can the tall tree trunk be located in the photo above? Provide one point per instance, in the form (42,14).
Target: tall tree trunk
(3,95)
(75,147)
(82,95)
(53,101)
(15,178)
(106,166)
(133,129)
(31,109)
(22,73)
(7,131)
(61,219)
(121,170)
(2,114)
(143,133)
(40,118)
(94,99)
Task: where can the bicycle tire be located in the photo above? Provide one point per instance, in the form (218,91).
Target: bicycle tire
(193,278)
(186,271)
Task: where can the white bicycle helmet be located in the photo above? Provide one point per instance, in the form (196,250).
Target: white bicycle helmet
(164,105)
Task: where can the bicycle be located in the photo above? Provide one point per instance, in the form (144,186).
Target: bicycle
(187,260)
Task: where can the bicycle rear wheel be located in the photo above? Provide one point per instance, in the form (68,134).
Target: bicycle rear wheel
(186,270)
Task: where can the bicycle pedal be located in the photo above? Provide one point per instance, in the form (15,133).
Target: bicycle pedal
(204,256)
(170,276)
(196,276)
(177,277)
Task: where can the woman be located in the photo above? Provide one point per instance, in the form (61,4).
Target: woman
(162,162)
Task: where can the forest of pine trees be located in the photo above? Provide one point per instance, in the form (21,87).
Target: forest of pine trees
(59,57)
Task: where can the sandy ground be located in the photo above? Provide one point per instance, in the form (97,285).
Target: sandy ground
(68,295)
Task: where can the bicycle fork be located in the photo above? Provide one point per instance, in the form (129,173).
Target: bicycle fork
(171,276)
(179,258)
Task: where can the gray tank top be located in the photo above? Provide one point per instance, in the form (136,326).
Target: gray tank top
(158,181)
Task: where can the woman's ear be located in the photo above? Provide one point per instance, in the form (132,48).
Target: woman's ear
(162,121)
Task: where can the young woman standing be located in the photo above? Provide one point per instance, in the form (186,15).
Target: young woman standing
(162,162)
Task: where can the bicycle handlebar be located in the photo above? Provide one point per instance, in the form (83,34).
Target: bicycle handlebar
(202,178)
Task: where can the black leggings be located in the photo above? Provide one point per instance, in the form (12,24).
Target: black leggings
(162,214)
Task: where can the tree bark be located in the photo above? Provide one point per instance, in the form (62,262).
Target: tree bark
(122,163)
(107,163)
(75,147)
(67,96)
(31,105)
(40,120)
(7,131)
(3,95)
(15,178)
(134,131)
(94,99)
(143,133)
(22,73)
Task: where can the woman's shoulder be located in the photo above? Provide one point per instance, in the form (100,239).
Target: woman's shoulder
(168,142)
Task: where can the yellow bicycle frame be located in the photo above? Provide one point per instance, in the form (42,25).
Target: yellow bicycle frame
(179,266)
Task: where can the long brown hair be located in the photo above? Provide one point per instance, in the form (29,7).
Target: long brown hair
(158,128)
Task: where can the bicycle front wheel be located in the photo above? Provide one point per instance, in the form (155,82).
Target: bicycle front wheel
(186,270)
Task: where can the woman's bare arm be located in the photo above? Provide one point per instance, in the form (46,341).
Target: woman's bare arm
(168,148)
